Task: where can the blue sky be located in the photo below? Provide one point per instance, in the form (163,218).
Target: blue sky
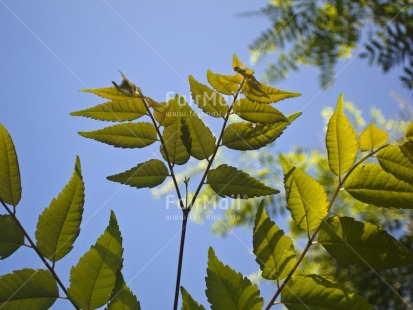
(52,49)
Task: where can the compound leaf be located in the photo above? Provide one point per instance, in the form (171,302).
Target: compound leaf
(317,292)
(59,224)
(11,236)
(306,198)
(188,303)
(393,161)
(115,110)
(93,279)
(10,184)
(370,184)
(224,84)
(147,174)
(341,140)
(246,136)
(129,135)
(257,113)
(273,250)
(372,137)
(209,101)
(228,289)
(228,181)
(28,289)
(364,244)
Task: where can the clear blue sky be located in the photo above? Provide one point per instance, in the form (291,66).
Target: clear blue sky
(51,49)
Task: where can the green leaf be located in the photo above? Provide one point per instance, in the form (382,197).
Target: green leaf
(107,93)
(224,84)
(341,140)
(239,67)
(257,113)
(11,236)
(202,142)
(228,289)
(10,184)
(273,250)
(209,101)
(409,132)
(147,174)
(228,181)
(175,148)
(370,184)
(59,224)
(93,279)
(28,289)
(167,113)
(268,94)
(316,292)
(115,110)
(372,137)
(246,136)
(306,198)
(122,297)
(364,244)
(129,135)
(188,303)
(393,161)
(407,149)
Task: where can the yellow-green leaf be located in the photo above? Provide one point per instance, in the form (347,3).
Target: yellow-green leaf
(224,84)
(209,101)
(202,141)
(246,136)
(372,137)
(257,113)
(107,93)
(167,113)
(11,236)
(93,279)
(306,198)
(341,140)
(407,149)
(28,289)
(393,161)
(273,250)
(228,181)
(269,94)
(239,67)
(129,135)
(59,224)
(409,132)
(228,289)
(148,174)
(318,293)
(10,184)
(364,244)
(122,297)
(115,110)
(370,184)
(188,303)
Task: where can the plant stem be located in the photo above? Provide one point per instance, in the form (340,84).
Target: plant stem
(310,241)
(33,245)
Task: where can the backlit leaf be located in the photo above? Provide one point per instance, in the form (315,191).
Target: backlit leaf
(28,289)
(239,67)
(407,149)
(93,279)
(122,297)
(370,184)
(306,198)
(341,140)
(224,84)
(393,161)
(202,142)
(409,132)
(188,303)
(167,115)
(228,289)
(10,184)
(107,93)
(272,94)
(257,113)
(148,174)
(59,224)
(317,292)
(129,135)
(364,244)
(11,236)
(273,250)
(115,110)
(372,137)
(209,101)
(228,181)
(245,136)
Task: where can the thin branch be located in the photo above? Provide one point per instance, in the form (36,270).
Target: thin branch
(33,245)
